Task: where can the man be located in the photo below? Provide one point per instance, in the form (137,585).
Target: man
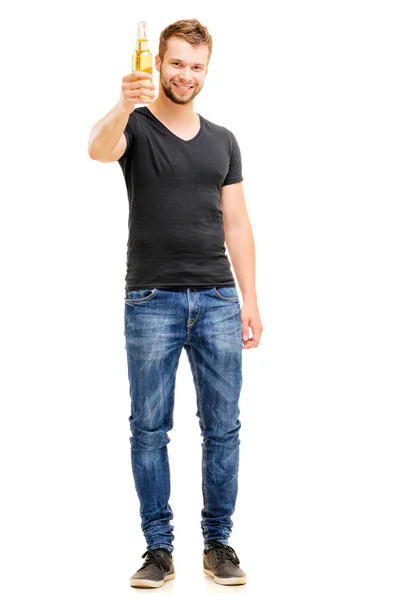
(184,184)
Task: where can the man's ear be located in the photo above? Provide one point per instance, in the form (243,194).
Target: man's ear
(157,62)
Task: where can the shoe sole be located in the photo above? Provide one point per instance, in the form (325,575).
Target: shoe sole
(225,580)
(149,583)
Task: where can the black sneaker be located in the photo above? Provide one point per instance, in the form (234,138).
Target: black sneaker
(222,564)
(157,568)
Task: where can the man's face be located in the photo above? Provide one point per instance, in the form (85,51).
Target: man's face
(183,70)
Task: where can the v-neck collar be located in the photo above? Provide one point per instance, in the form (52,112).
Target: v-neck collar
(172,133)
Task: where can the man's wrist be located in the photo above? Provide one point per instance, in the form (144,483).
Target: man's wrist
(250,298)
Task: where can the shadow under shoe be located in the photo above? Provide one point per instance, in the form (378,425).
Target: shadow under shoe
(157,568)
(221,563)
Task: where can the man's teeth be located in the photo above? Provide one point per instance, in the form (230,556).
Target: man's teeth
(183,88)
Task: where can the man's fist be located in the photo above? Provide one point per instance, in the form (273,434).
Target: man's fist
(137,88)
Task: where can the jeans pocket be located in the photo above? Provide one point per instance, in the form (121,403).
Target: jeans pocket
(229,294)
(139,296)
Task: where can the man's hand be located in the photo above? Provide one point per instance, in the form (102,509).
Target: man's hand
(250,317)
(137,88)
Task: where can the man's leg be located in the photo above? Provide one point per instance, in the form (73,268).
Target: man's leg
(215,356)
(154,339)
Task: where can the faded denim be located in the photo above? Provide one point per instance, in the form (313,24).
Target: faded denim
(207,323)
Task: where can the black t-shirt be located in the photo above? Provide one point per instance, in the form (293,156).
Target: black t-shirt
(176,233)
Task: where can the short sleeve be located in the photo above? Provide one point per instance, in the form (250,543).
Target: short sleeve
(129,133)
(234,174)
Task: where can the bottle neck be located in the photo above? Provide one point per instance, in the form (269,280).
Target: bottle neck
(141,45)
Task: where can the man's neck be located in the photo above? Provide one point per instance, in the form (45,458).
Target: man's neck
(179,114)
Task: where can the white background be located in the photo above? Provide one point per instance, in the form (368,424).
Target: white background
(311,91)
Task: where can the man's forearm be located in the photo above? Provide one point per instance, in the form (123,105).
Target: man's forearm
(240,245)
(107,132)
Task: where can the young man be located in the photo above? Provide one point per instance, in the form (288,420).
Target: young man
(183,175)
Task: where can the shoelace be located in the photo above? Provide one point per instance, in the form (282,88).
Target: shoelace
(157,559)
(223,553)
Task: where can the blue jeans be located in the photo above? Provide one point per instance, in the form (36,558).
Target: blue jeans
(158,324)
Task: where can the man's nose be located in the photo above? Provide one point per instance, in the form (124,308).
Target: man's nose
(186,75)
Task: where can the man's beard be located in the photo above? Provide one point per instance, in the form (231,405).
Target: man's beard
(169,92)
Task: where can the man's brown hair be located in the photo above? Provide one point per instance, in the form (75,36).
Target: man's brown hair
(189,30)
